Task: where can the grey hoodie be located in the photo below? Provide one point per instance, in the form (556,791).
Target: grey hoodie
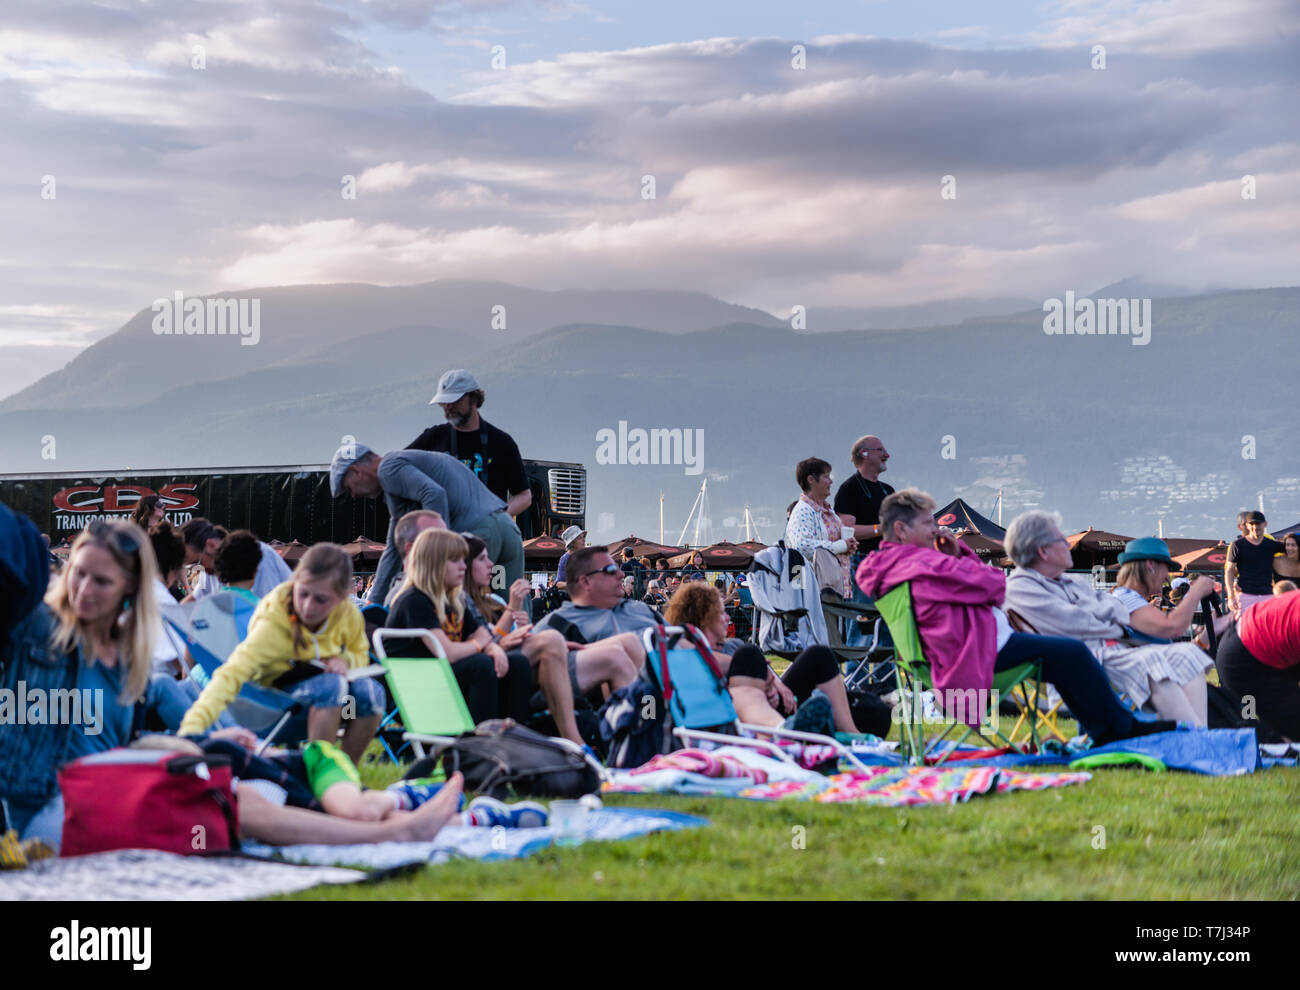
(1067,606)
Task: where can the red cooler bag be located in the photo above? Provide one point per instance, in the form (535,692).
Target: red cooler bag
(148,799)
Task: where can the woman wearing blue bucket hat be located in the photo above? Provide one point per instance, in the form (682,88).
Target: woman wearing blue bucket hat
(1169,677)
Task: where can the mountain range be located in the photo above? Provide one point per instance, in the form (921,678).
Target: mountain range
(1112,435)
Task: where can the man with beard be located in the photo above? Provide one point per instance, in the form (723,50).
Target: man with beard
(489,452)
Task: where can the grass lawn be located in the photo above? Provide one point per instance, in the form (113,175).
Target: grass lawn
(1167,836)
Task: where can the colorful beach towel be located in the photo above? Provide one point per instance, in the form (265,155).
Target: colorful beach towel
(884,786)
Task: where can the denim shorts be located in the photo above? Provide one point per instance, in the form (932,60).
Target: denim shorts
(332,690)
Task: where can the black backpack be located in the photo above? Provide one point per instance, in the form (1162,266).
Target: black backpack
(502,759)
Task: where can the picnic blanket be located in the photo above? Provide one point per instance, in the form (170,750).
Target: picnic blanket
(879,785)
(460,842)
(150,875)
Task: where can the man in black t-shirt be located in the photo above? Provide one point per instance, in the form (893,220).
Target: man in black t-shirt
(857,503)
(1248,574)
(490,453)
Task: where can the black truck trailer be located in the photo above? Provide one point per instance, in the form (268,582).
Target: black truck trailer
(282,502)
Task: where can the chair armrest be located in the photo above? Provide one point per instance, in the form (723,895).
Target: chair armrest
(385,633)
(1140,637)
(1019,623)
(833,602)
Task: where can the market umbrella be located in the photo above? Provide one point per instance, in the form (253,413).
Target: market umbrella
(292,552)
(722,556)
(1181,545)
(364,550)
(753,546)
(1096,546)
(987,548)
(642,548)
(957,514)
(1207,559)
(544,548)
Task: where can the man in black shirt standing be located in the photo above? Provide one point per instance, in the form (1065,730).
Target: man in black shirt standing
(1248,573)
(857,503)
(487,451)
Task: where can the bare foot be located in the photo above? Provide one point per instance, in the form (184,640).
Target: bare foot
(423,824)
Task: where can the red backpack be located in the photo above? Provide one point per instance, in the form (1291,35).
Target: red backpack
(148,799)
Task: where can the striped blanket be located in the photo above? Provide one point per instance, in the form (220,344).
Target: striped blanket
(738,774)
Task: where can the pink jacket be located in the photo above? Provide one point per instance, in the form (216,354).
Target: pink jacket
(952,598)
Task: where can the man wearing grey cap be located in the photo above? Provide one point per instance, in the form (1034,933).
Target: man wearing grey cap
(418,479)
(489,452)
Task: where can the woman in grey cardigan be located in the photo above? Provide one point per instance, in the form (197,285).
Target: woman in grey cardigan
(1168,676)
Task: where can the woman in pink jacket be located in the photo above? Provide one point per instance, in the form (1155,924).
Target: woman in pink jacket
(963,630)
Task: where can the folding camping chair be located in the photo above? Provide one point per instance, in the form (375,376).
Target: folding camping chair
(213,627)
(914,676)
(681,666)
(217,624)
(375,616)
(432,708)
(1046,711)
(866,671)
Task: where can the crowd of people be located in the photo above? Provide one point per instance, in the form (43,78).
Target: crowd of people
(101,626)
(1107,653)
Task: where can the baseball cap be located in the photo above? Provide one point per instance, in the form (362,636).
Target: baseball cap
(344,458)
(452,385)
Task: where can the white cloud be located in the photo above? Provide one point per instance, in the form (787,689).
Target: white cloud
(391,176)
(774,185)
(1166,26)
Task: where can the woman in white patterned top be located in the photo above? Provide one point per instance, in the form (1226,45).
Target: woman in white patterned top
(813,522)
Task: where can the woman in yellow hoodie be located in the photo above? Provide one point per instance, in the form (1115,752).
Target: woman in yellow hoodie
(306,620)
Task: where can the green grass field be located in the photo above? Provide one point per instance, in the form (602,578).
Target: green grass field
(1167,836)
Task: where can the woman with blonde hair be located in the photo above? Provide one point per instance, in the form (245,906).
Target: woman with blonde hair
(432,597)
(92,641)
(301,626)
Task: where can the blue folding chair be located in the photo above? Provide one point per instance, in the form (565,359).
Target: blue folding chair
(215,626)
(682,667)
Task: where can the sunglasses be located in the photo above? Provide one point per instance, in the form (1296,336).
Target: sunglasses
(100,529)
(607,569)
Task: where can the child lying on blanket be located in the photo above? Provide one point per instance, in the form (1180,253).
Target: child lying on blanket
(322,778)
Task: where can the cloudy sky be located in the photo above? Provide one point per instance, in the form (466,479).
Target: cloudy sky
(222,166)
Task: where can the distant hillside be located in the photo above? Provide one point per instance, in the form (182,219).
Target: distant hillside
(307,321)
(1112,435)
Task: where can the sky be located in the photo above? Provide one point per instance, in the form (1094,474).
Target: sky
(137,165)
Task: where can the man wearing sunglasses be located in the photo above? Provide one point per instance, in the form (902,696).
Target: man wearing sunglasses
(603,629)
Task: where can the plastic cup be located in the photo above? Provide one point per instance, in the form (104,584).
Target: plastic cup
(569,820)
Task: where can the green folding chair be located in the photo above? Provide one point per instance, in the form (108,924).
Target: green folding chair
(432,708)
(896,607)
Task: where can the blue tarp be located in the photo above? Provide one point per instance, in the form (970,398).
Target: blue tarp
(1214,752)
